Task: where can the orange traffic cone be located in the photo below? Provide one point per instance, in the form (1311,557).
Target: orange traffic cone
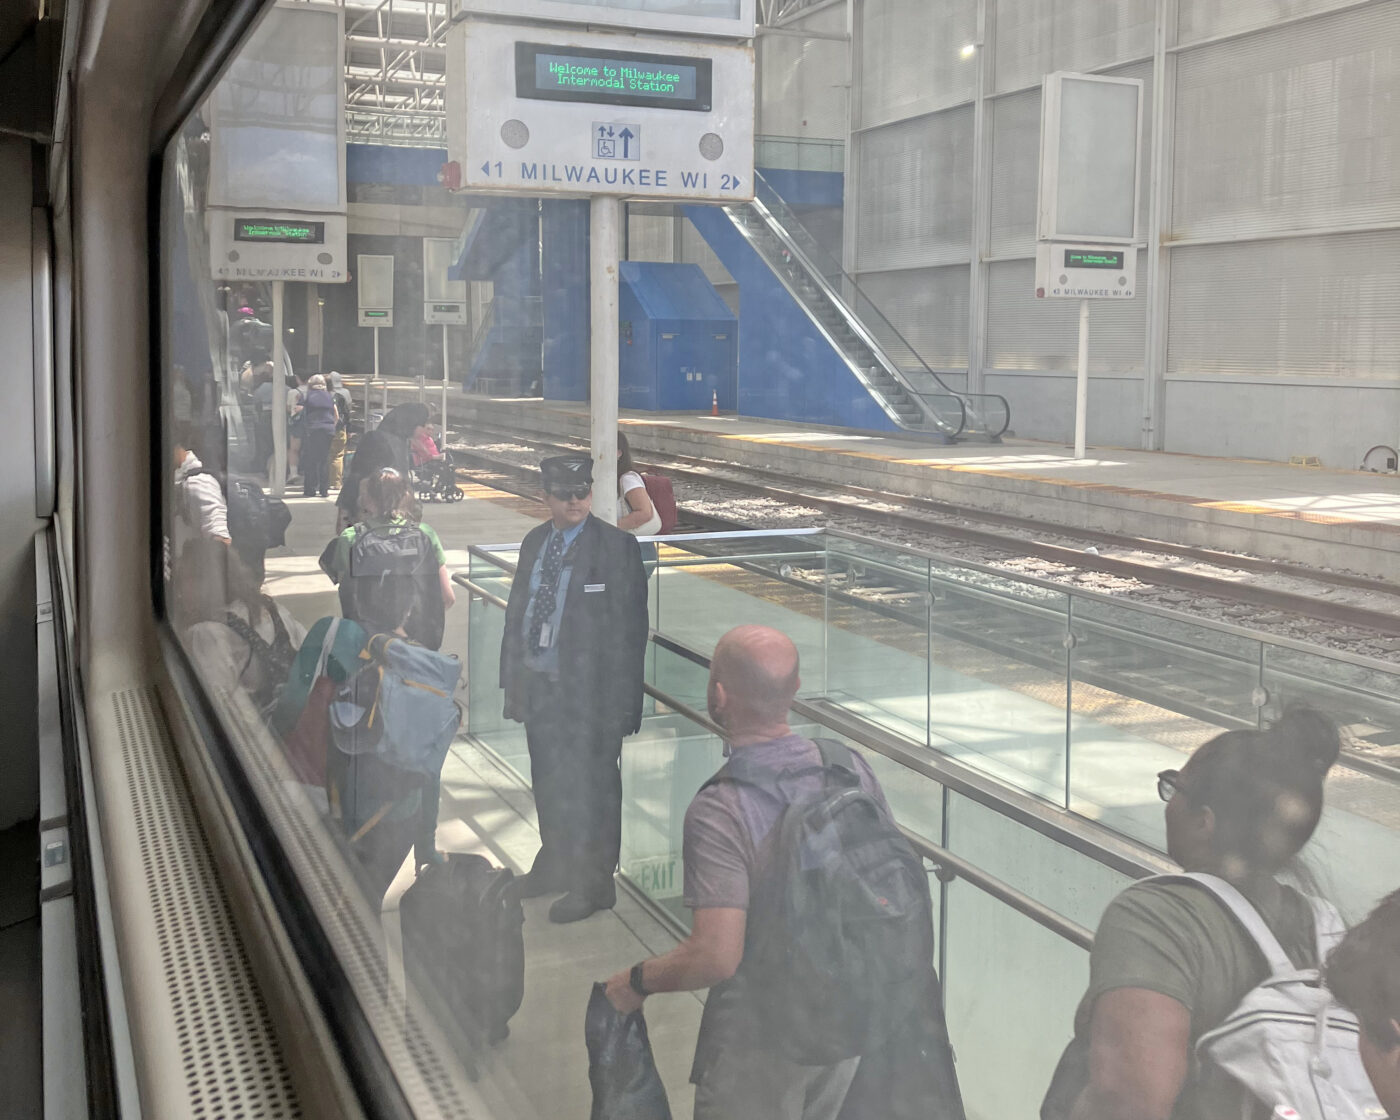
(714,403)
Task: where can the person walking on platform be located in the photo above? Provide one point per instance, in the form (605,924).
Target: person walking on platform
(572,664)
(343,409)
(775,1041)
(319,417)
(1175,956)
(1363,972)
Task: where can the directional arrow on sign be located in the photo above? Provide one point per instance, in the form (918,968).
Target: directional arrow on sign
(626,135)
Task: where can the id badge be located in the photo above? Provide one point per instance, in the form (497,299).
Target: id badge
(546,635)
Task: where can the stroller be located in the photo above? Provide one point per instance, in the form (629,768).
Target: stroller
(436,480)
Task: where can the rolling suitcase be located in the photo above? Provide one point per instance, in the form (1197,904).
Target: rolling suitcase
(462,940)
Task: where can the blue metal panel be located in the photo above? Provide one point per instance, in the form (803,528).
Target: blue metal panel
(497,235)
(564,292)
(807,188)
(677,345)
(376,163)
(787,370)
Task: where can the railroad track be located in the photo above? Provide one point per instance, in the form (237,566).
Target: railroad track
(929,517)
(1151,668)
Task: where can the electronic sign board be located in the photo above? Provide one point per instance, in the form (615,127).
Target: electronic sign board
(580,113)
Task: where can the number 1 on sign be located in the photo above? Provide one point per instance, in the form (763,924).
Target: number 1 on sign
(486,169)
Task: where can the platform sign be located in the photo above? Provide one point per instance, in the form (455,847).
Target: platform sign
(1077,271)
(1090,159)
(374,275)
(732,19)
(444,300)
(544,110)
(277,195)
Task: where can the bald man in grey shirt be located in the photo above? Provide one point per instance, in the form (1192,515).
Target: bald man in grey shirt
(729,829)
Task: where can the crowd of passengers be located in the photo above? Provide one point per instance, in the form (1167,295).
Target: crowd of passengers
(1229,990)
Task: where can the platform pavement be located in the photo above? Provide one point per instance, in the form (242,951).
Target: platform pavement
(1324,517)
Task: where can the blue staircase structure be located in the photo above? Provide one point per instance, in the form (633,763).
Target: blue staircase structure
(828,355)
(502,246)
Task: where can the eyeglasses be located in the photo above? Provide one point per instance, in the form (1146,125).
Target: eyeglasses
(565,493)
(1168,784)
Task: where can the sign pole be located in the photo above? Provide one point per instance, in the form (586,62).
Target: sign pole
(376,353)
(1081,385)
(278,481)
(605,223)
(444,383)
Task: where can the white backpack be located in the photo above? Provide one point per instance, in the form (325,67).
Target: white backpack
(1288,1043)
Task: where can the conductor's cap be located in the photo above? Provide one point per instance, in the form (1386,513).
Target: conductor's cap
(566,470)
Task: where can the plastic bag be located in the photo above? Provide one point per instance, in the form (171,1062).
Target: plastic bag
(621,1070)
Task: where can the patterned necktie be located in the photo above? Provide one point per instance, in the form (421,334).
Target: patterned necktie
(548,593)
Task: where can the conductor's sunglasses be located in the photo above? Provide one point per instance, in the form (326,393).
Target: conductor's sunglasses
(569,493)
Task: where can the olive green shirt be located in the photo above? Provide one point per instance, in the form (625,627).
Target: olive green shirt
(1178,940)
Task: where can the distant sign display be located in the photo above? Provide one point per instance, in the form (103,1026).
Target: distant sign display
(278,232)
(607,77)
(1076,258)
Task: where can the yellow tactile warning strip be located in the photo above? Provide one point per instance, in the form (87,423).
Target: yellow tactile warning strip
(1252,508)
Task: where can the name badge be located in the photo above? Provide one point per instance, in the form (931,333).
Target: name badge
(591,587)
(546,636)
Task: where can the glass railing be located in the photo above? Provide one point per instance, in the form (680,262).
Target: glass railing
(986,414)
(1015,725)
(1069,697)
(799,153)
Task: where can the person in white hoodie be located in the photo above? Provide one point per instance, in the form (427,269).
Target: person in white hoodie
(200,509)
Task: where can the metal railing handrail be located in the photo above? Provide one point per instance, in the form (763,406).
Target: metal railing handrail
(1229,628)
(936,854)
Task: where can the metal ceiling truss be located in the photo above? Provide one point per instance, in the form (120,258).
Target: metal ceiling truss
(396,66)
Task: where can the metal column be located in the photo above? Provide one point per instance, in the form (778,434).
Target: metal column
(604,241)
(278,481)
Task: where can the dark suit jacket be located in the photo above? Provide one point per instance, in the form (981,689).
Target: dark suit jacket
(602,634)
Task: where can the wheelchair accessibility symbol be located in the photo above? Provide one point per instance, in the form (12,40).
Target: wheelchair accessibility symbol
(617,141)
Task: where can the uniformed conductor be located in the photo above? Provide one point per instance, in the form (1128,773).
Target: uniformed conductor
(572,660)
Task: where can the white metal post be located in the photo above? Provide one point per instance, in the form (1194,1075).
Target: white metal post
(1081,384)
(444,384)
(422,388)
(376,353)
(604,241)
(278,481)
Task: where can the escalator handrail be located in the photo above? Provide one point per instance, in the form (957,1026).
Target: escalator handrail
(831,267)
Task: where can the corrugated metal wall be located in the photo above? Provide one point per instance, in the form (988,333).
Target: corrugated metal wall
(1278,200)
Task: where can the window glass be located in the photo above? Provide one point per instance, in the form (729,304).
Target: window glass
(507,750)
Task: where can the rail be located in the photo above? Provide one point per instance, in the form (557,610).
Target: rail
(948,865)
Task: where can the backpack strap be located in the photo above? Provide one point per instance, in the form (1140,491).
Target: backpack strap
(1245,913)
(840,759)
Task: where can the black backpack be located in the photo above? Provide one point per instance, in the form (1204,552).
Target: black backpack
(399,553)
(840,926)
(256,521)
(276,657)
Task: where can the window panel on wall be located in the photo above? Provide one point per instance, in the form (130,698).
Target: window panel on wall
(911,57)
(1043,334)
(1293,128)
(650,237)
(1205,19)
(1016,164)
(914,192)
(929,307)
(1038,37)
(803,82)
(1306,307)
(696,250)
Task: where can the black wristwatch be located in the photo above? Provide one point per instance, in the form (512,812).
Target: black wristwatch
(635,979)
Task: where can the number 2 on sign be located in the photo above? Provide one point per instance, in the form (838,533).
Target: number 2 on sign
(729,182)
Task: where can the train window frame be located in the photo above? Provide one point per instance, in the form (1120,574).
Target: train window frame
(372,1076)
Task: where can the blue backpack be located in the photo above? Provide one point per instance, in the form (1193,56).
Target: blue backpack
(399,706)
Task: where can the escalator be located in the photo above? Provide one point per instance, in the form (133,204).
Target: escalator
(911,394)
